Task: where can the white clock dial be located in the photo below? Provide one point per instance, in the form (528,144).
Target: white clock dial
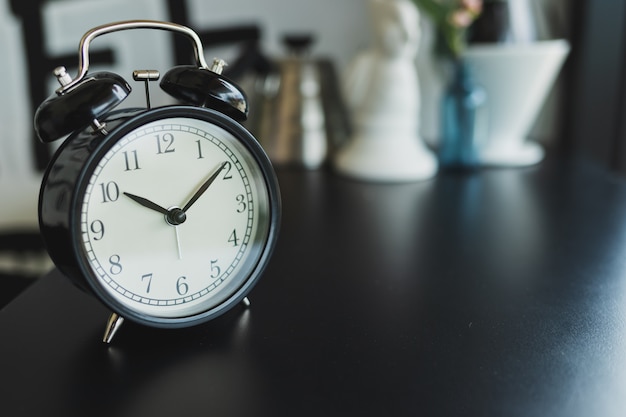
(158,241)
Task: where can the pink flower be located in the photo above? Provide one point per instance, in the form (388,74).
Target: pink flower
(473,6)
(461,18)
(452,18)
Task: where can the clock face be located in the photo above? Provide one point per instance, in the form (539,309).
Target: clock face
(174,218)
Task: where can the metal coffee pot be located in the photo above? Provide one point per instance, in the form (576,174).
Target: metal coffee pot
(299,116)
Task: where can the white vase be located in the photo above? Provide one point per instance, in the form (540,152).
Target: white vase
(383,97)
(517,79)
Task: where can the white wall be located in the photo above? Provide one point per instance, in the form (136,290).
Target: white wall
(341,26)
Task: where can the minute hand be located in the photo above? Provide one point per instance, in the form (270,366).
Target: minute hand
(204,187)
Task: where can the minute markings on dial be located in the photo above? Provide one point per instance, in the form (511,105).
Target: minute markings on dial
(221,233)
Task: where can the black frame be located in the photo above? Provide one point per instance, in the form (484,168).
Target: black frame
(65,181)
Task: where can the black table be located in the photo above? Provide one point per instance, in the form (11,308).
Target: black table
(493,293)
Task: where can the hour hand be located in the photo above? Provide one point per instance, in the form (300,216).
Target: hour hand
(146,203)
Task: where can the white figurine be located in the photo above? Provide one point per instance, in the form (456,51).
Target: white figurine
(383,97)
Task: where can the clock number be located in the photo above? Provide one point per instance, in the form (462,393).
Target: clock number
(228,167)
(181,285)
(233,238)
(241,201)
(110,191)
(97,228)
(200,156)
(166,140)
(149,278)
(215,269)
(131,161)
(116,266)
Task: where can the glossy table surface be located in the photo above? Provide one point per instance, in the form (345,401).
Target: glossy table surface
(495,293)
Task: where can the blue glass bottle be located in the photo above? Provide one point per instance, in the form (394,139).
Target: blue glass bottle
(462,101)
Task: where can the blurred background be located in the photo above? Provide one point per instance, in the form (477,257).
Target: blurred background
(581,113)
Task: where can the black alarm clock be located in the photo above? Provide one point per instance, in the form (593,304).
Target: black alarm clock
(168,215)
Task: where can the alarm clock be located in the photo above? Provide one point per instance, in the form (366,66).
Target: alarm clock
(168,215)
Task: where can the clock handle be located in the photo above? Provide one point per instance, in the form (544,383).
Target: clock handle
(83,100)
(83,56)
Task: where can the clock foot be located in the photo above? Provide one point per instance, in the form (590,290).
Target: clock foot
(245,302)
(113,325)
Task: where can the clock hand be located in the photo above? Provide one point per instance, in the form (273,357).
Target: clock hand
(173,216)
(146,203)
(204,187)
